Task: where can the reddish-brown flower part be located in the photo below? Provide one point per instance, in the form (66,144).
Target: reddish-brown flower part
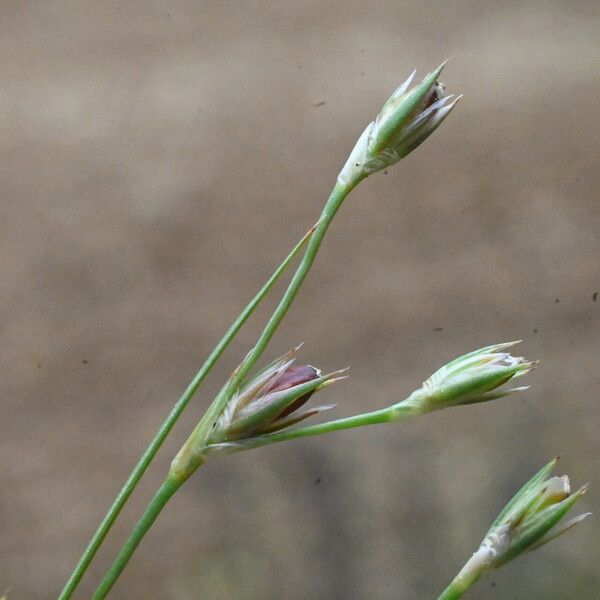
(271,400)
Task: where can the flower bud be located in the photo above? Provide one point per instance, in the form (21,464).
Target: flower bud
(529,520)
(474,377)
(404,122)
(271,400)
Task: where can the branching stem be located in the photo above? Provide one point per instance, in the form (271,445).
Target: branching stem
(157,441)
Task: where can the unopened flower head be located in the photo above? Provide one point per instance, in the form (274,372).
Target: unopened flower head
(404,122)
(474,377)
(529,520)
(271,400)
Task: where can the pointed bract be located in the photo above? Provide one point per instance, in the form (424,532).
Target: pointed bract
(474,377)
(406,119)
(529,520)
(269,401)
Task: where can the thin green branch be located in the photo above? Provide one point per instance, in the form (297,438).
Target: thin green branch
(452,592)
(165,428)
(471,572)
(385,415)
(162,496)
(461,584)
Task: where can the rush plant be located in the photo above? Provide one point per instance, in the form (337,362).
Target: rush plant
(256,407)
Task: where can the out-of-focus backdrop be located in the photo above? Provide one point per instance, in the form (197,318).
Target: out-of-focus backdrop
(160,158)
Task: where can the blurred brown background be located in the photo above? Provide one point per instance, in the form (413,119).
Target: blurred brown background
(160,158)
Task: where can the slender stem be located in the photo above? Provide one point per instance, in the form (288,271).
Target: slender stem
(384,415)
(455,590)
(191,454)
(371,418)
(467,576)
(158,502)
(452,592)
(165,428)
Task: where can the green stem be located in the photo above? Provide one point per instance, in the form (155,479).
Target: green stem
(191,454)
(162,496)
(452,592)
(165,428)
(467,576)
(384,415)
